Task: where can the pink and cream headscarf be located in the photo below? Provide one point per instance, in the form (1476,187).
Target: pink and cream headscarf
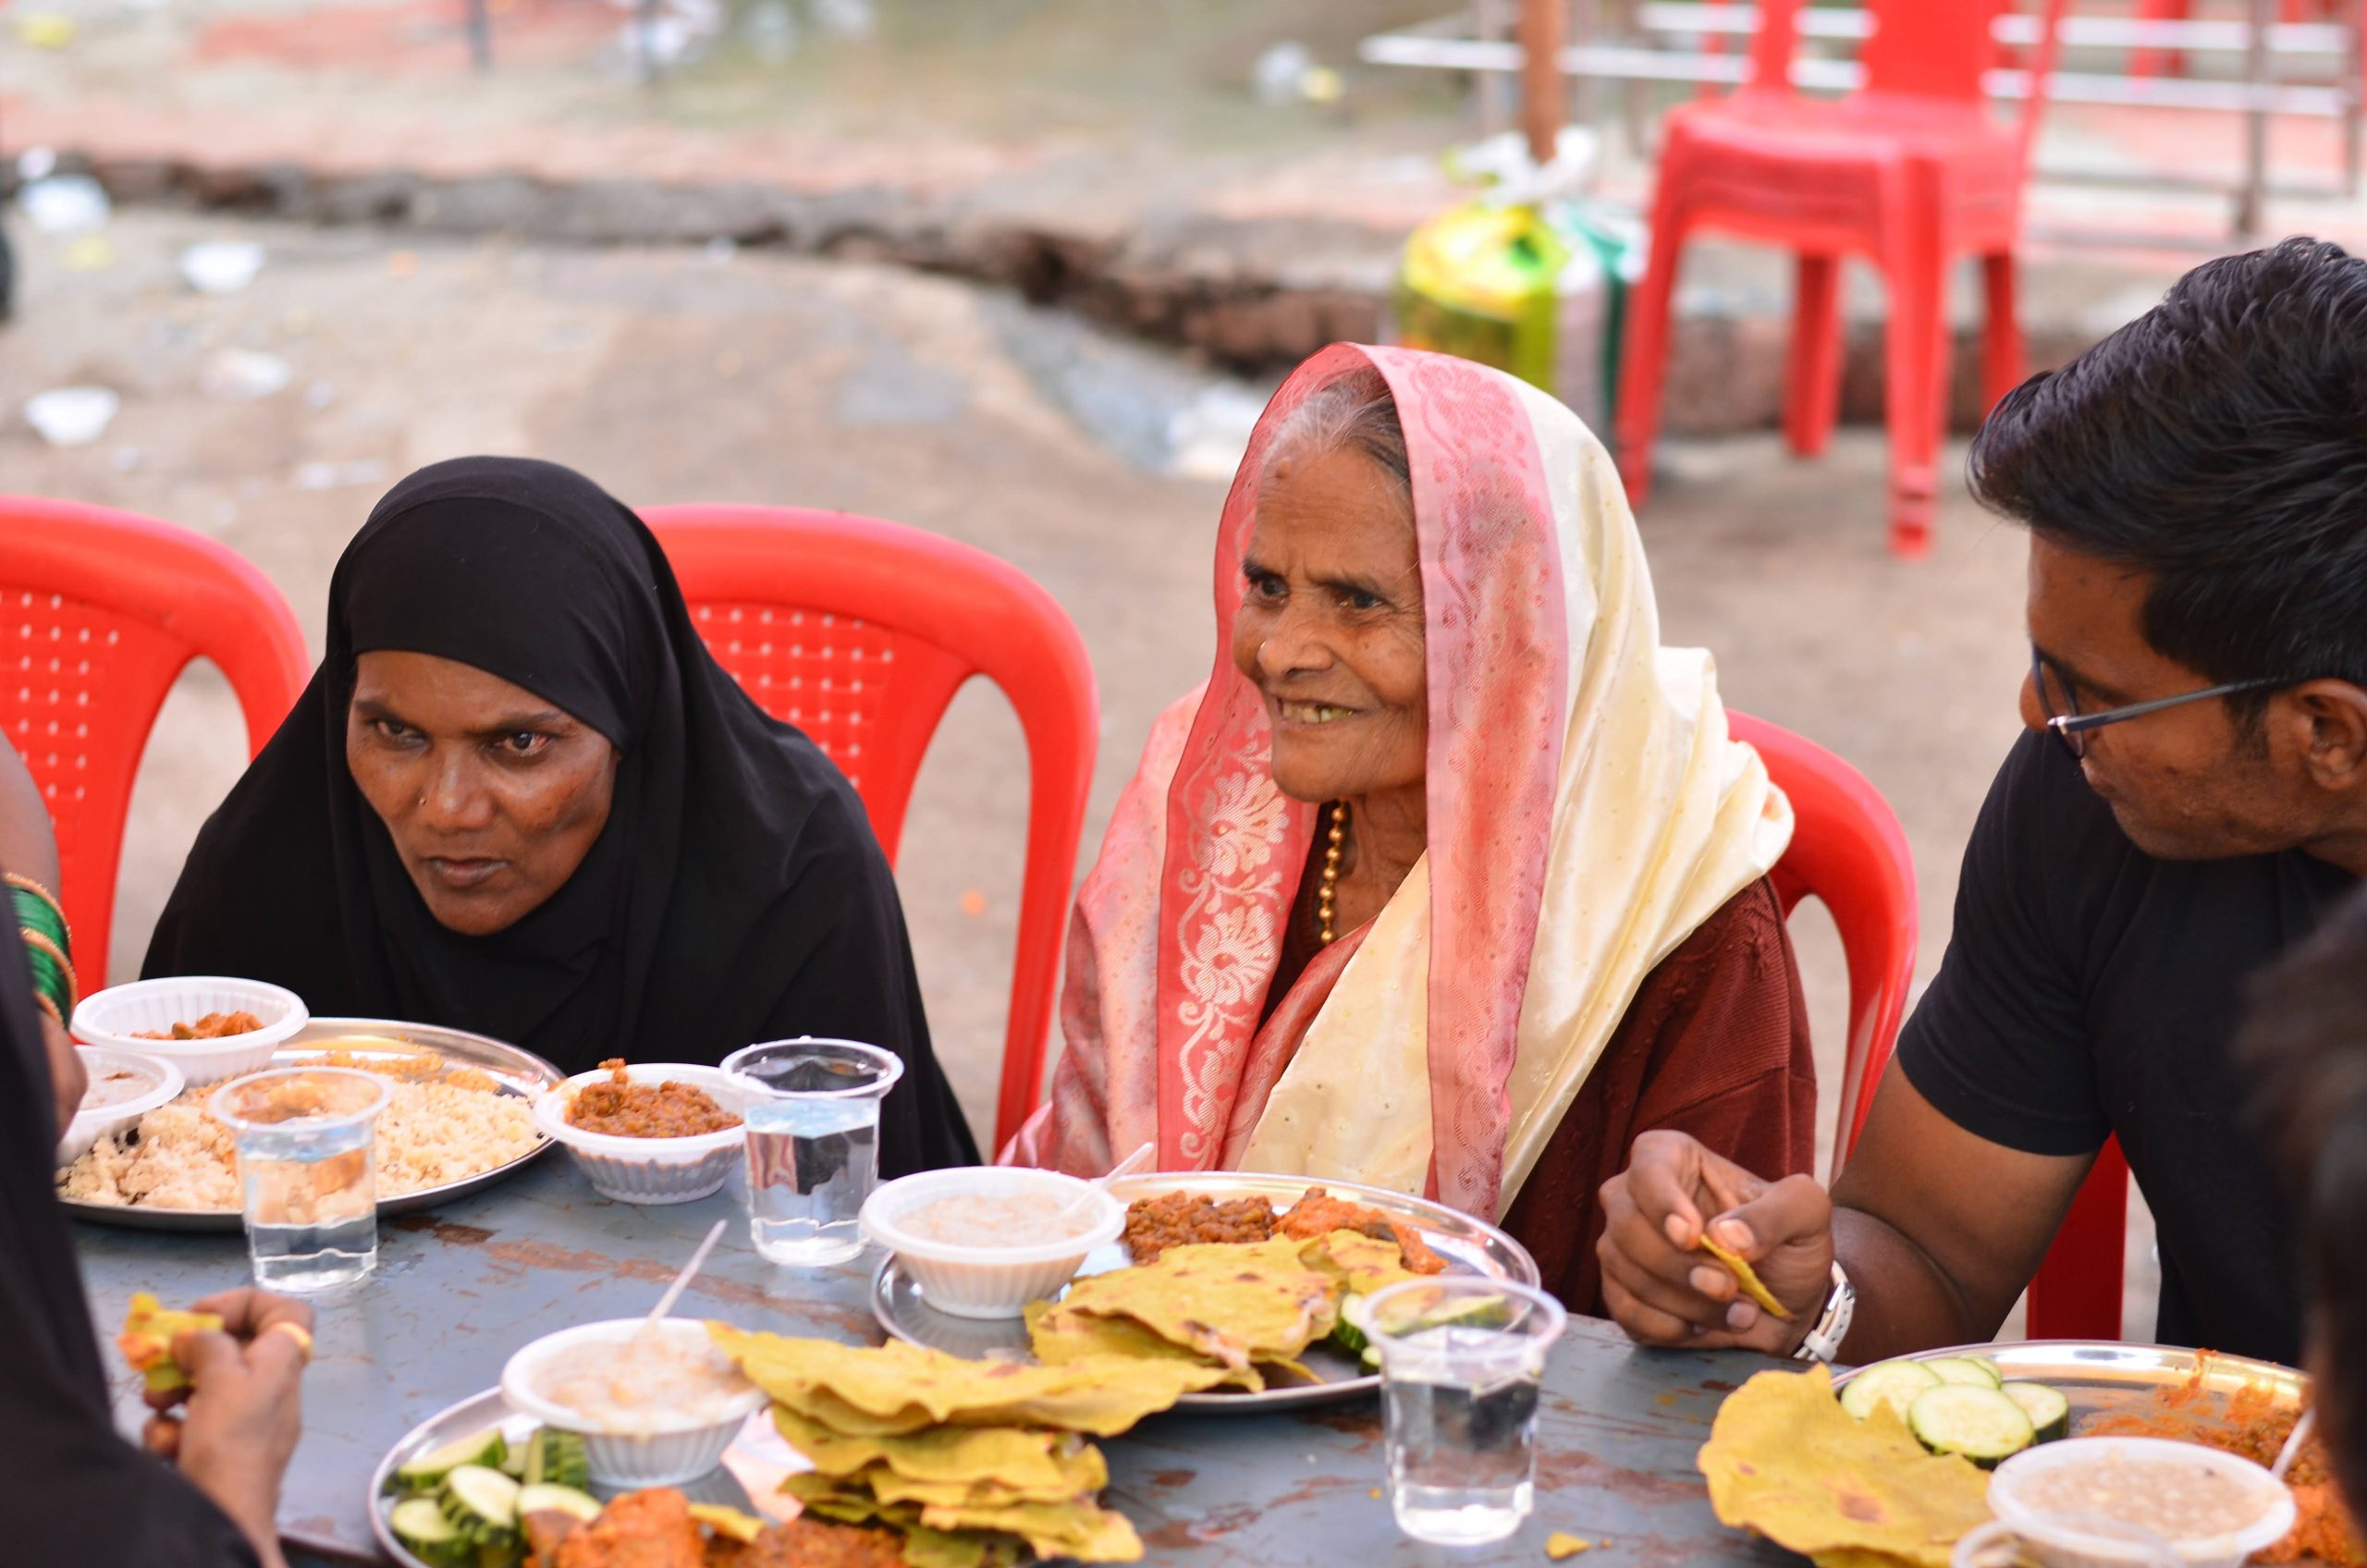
(1587,812)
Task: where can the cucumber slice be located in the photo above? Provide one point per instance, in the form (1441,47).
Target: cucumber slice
(1894,1383)
(506,1553)
(417,1522)
(425,1472)
(1993,1372)
(1970,1370)
(547,1497)
(2049,1411)
(557,1458)
(1973,1420)
(480,1502)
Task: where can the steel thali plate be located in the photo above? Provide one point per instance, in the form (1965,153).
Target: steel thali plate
(519,1072)
(748,1480)
(1470,1246)
(2102,1377)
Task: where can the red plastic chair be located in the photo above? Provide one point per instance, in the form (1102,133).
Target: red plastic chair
(2076,1293)
(859,631)
(1911,173)
(1848,850)
(104,610)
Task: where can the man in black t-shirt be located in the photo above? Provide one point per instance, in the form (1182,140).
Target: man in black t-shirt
(2192,795)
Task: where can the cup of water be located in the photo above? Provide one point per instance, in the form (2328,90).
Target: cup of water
(1462,1357)
(308,1167)
(813,1120)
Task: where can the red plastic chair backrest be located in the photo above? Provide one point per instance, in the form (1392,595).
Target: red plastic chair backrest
(1848,851)
(859,631)
(104,610)
(1918,49)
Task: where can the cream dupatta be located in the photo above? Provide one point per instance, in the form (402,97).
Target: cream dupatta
(1588,812)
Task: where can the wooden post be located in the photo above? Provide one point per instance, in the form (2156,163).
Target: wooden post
(1541,75)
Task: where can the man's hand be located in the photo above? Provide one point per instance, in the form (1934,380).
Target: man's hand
(1663,1292)
(242,1413)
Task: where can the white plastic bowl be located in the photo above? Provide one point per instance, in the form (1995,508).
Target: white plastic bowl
(990,1282)
(163,1081)
(2064,1546)
(654,1453)
(650,1171)
(115,1016)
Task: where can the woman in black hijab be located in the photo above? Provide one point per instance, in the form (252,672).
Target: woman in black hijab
(521,798)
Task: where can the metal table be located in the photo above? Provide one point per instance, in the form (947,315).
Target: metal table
(458,1288)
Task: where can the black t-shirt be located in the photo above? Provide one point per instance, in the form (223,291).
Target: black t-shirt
(2090,989)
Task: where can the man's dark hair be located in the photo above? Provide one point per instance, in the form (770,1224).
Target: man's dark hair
(2219,442)
(2304,1051)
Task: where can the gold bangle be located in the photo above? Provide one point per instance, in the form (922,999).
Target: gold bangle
(15,880)
(39,941)
(297,1331)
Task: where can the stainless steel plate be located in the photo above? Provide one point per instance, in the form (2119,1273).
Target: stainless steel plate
(2099,1377)
(749,1478)
(1468,1245)
(520,1073)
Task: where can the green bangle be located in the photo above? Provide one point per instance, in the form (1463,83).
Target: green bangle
(39,913)
(47,948)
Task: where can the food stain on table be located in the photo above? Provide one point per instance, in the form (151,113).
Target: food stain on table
(529,1254)
(1567,1468)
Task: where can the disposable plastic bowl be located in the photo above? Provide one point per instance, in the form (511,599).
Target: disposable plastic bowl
(650,1171)
(655,1453)
(160,1082)
(2062,1544)
(118,1015)
(990,1281)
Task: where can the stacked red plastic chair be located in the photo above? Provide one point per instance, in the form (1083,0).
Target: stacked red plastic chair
(1912,173)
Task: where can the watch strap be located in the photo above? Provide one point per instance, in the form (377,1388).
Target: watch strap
(1823,1342)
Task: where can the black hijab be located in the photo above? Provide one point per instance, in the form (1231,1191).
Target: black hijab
(71,1490)
(736,894)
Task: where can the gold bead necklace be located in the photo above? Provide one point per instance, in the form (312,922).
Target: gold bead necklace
(1330,886)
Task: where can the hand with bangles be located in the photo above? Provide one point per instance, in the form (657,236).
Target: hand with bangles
(233,1430)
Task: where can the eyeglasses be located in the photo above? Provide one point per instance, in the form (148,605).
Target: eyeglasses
(2070,726)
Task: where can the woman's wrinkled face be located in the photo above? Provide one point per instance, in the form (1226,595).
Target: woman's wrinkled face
(1331,627)
(492,795)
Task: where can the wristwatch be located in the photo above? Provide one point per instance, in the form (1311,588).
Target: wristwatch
(1824,1341)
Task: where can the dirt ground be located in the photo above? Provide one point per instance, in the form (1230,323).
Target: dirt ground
(677,376)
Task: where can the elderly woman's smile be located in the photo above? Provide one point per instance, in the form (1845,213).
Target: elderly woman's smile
(1331,627)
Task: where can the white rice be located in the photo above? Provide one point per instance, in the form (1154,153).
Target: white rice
(178,1156)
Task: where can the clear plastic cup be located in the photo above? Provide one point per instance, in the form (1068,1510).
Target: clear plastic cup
(308,1170)
(813,1120)
(1462,1358)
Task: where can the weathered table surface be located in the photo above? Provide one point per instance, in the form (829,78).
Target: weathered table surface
(457,1290)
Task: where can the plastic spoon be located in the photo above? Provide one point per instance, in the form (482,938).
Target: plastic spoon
(2292,1447)
(681,1281)
(1126,1166)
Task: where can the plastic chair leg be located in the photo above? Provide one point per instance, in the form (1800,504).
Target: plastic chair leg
(2001,352)
(1813,395)
(2149,62)
(1917,364)
(1643,370)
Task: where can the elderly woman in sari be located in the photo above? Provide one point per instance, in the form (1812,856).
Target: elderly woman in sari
(1450,879)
